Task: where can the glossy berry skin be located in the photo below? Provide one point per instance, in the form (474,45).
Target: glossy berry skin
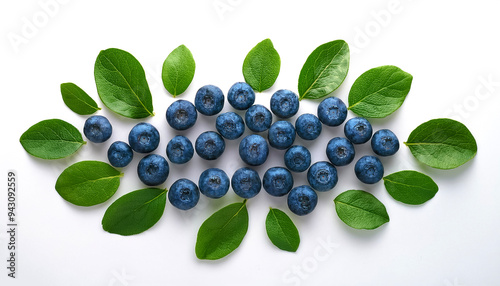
(332,111)
(340,151)
(246,183)
(385,143)
(284,103)
(209,100)
(97,129)
(308,126)
(258,118)
(210,145)
(230,125)
(183,194)
(120,154)
(281,135)
(213,183)
(241,96)
(297,158)
(369,169)
(302,200)
(181,115)
(322,176)
(254,150)
(143,138)
(277,181)
(180,150)
(358,130)
(153,170)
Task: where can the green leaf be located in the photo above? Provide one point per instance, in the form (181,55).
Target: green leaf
(88,183)
(135,212)
(78,100)
(360,209)
(410,187)
(222,232)
(379,92)
(324,70)
(262,66)
(121,84)
(52,139)
(178,70)
(442,143)
(281,230)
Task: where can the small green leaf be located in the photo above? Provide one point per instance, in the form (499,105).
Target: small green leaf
(324,70)
(410,187)
(52,139)
(262,66)
(222,232)
(442,143)
(360,209)
(78,100)
(281,230)
(178,70)
(379,92)
(88,183)
(135,212)
(121,84)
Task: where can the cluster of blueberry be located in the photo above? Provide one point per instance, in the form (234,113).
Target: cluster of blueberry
(184,194)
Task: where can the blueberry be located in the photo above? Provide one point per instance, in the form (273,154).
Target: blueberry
(358,130)
(284,103)
(180,150)
(297,158)
(181,115)
(369,169)
(210,145)
(254,150)
(153,170)
(281,135)
(143,138)
(258,118)
(278,181)
(184,194)
(308,126)
(214,183)
(322,176)
(230,125)
(340,151)
(385,143)
(332,111)
(246,183)
(209,100)
(241,96)
(120,154)
(97,129)
(302,200)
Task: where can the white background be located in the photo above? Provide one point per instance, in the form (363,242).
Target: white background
(452,50)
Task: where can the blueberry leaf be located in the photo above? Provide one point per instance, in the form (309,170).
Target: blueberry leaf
(78,100)
(262,66)
(282,231)
(178,70)
(360,210)
(52,139)
(135,212)
(410,187)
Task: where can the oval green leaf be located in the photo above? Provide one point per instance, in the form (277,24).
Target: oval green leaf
(78,100)
(222,232)
(379,92)
(262,66)
(135,212)
(442,143)
(410,187)
(121,84)
(52,139)
(282,231)
(360,210)
(88,183)
(178,70)
(324,70)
